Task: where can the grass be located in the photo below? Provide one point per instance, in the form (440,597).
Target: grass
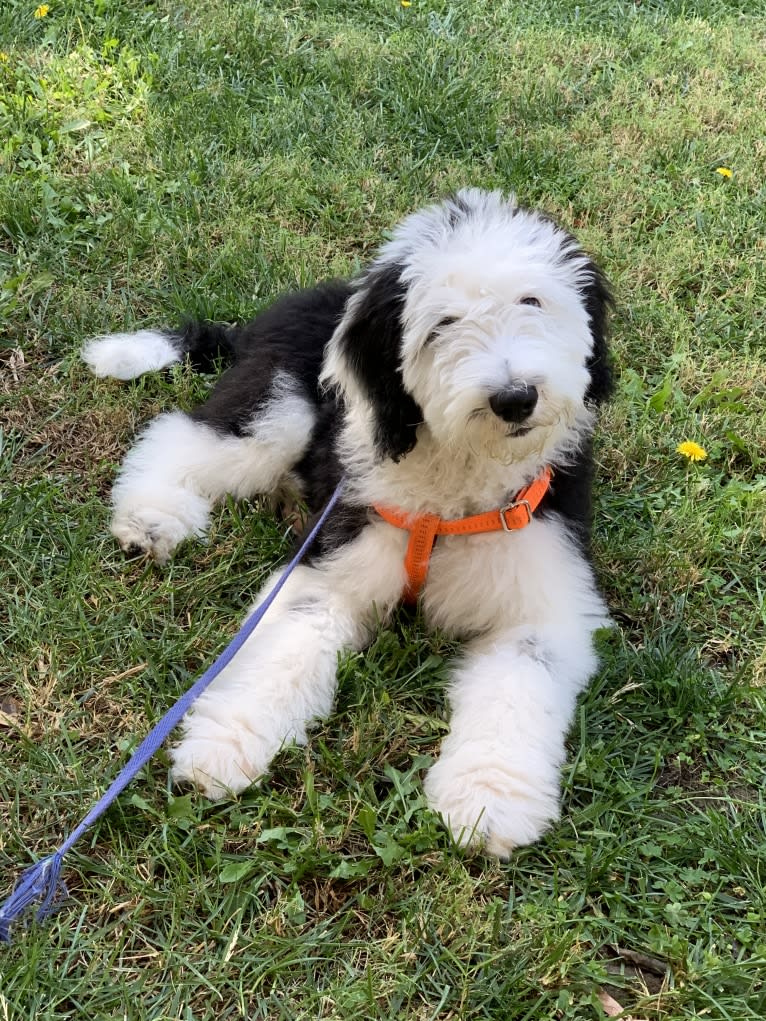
(164,158)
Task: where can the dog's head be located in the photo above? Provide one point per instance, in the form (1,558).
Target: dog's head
(482,322)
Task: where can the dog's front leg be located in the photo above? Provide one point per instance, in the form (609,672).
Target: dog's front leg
(283,678)
(496,783)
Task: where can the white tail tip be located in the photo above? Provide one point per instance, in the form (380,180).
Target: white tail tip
(127,355)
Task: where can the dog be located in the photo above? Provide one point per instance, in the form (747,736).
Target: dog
(456,379)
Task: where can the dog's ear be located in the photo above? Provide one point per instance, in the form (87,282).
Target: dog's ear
(598,302)
(370,343)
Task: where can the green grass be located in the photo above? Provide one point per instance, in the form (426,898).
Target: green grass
(160,158)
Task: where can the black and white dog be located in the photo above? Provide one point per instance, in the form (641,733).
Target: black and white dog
(468,358)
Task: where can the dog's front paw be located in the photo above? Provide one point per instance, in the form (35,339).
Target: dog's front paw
(149,531)
(490,803)
(219,759)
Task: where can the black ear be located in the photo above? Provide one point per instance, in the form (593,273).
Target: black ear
(371,344)
(598,301)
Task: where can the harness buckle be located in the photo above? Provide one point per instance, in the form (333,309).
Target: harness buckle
(513,506)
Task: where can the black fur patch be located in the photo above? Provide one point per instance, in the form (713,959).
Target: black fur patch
(289,336)
(371,346)
(571,495)
(598,301)
(457,210)
(206,343)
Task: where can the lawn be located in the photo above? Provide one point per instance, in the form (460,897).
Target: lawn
(167,158)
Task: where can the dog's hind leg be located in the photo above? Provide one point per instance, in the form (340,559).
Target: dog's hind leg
(183,463)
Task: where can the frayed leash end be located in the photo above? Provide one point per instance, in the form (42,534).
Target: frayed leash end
(42,882)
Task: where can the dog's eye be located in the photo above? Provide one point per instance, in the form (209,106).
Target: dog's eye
(530,300)
(441,325)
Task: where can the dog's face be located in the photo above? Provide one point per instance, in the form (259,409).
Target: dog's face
(482,321)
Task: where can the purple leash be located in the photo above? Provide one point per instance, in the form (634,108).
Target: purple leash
(42,881)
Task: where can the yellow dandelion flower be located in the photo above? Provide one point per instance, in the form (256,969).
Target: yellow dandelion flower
(42,10)
(4,58)
(723,171)
(691,450)
(406,3)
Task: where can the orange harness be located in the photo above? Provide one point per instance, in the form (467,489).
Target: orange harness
(424,528)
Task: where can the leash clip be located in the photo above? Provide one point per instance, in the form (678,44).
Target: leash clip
(511,507)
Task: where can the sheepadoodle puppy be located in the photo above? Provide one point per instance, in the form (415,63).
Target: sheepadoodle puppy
(453,384)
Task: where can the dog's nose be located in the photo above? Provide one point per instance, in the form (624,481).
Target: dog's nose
(514,404)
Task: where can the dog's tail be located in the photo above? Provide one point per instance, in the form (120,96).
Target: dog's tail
(127,355)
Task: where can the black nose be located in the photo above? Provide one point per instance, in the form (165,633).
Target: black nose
(514,404)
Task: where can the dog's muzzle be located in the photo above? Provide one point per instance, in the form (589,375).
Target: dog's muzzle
(515,403)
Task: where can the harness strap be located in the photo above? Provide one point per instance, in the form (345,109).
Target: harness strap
(424,528)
